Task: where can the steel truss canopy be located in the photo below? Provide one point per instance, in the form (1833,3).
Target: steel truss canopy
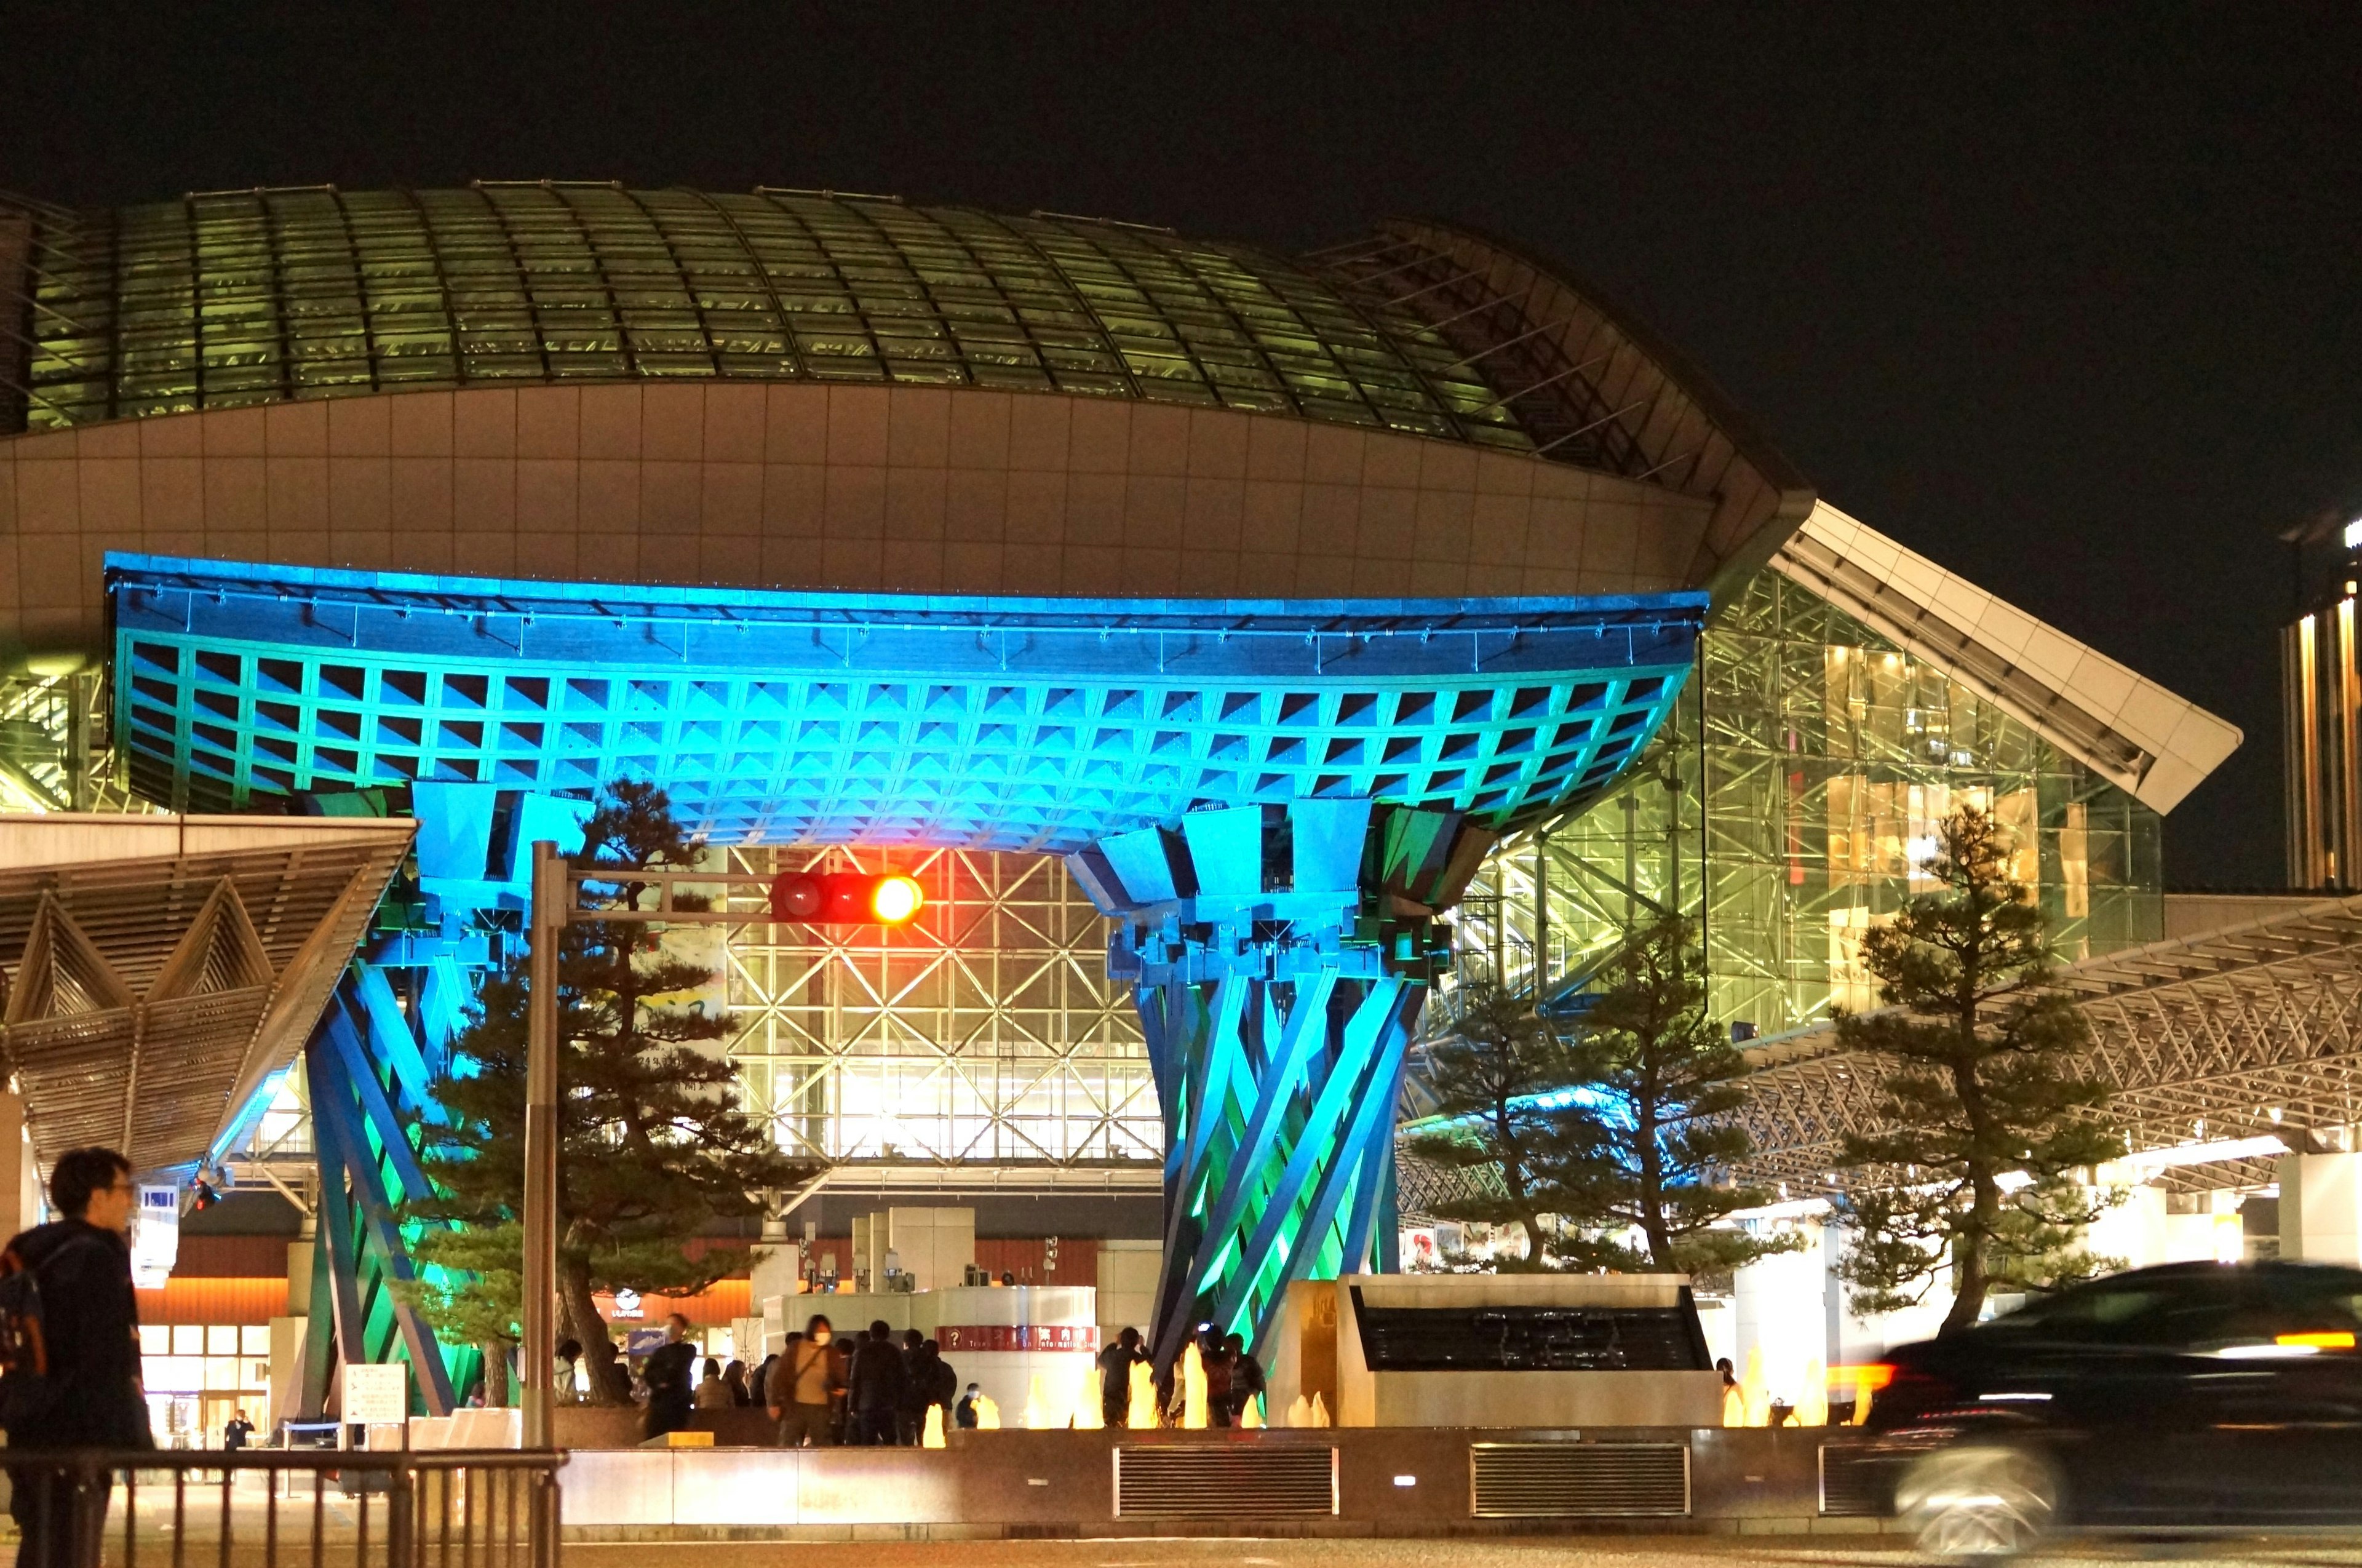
(2251,1030)
(826,718)
(2144,739)
(159,970)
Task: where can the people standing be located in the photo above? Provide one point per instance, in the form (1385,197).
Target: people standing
(1116,1363)
(803,1386)
(943,1389)
(1217,1363)
(667,1371)
(874,1389)
(712,1393)
(918,1388)
(563,1390)
(1246,1377)
(236,1432)
(964,1413)
(86,1393)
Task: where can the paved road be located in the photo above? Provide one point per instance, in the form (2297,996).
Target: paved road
(1520,1552)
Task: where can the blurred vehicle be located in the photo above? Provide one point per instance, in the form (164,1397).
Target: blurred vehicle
(2187,1397)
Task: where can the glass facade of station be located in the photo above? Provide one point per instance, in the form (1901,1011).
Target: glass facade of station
(986,1033)
(1793,821)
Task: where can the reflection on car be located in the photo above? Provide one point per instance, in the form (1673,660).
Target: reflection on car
(2190,1395)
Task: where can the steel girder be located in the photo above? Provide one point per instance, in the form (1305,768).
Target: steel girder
(2251,1029)
(1280,957)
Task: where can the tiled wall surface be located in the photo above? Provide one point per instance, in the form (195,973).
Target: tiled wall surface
(911,489)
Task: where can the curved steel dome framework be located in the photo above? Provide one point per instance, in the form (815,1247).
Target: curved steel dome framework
(238,298)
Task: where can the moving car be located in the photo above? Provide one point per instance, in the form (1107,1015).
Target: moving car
(2190,1396)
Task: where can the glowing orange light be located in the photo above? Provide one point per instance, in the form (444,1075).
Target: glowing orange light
(2326,1338)
(894,899)
(1873,1377)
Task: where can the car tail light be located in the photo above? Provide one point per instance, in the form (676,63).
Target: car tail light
(1917,1388)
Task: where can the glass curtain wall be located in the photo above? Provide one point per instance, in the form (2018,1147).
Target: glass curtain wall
(53,746)
(1792,804)
(986,1033)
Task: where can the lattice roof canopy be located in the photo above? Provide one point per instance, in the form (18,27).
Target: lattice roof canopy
(158,970)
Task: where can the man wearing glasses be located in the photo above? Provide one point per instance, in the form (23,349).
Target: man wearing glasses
(89,1396)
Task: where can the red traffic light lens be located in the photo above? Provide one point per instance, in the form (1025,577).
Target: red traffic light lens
(796,896)
(896,899)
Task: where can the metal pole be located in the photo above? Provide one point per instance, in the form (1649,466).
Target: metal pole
(550,897)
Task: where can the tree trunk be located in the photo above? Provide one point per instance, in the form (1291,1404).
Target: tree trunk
(1652,1189)
(1968,1263)
(496,1373)
(610,1384)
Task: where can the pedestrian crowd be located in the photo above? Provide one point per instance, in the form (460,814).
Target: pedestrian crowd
(872,1390)
(874,1387)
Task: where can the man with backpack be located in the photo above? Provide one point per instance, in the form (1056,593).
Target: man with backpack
(70,1344)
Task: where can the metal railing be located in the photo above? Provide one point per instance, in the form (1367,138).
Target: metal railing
(286,1508)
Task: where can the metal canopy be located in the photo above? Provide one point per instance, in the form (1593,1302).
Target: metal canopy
(2249,1030)
(156,971)
(826,718)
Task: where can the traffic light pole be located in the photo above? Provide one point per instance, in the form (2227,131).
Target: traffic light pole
(553,895)
(554,882)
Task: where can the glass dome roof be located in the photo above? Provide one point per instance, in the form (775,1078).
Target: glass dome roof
(262,297)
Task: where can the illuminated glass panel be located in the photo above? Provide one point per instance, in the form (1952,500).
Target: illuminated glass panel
(1829,756)
(231,298)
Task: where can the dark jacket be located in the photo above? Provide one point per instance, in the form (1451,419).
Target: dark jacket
(90,1322)
(668,1370)
(877,1379)
(927,1380)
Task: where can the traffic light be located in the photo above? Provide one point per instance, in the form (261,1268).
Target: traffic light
(847,898)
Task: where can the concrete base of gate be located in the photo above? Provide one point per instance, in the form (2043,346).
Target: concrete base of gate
(1391,1482)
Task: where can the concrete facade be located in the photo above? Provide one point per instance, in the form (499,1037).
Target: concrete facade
(799,485)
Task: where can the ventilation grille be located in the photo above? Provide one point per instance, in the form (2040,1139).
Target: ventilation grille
(1229,1481)
(1849,1488)
(1568,1480)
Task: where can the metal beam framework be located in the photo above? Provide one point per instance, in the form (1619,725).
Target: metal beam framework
(1279,959)
(2251,1030)
(1011,724)
(985,1037)
(54,754)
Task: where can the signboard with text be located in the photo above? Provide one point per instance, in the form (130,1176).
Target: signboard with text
(376,1394)
(975,1337)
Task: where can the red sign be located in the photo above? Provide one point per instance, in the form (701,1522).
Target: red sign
(974,1337)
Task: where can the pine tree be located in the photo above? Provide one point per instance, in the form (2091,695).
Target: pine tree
(1495,1076)
(478,1297)
(652,1146)
(1989,1122)
(1659,1085)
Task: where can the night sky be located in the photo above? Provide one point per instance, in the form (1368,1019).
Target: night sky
(2065,298)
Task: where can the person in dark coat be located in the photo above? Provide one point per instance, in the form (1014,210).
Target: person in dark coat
(945,1388)
(874,1389)
(90,1320)
(1246,1377)
(235,1432)
(669,1371)
(964,1413)
(918,1389)
(1116,1363)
